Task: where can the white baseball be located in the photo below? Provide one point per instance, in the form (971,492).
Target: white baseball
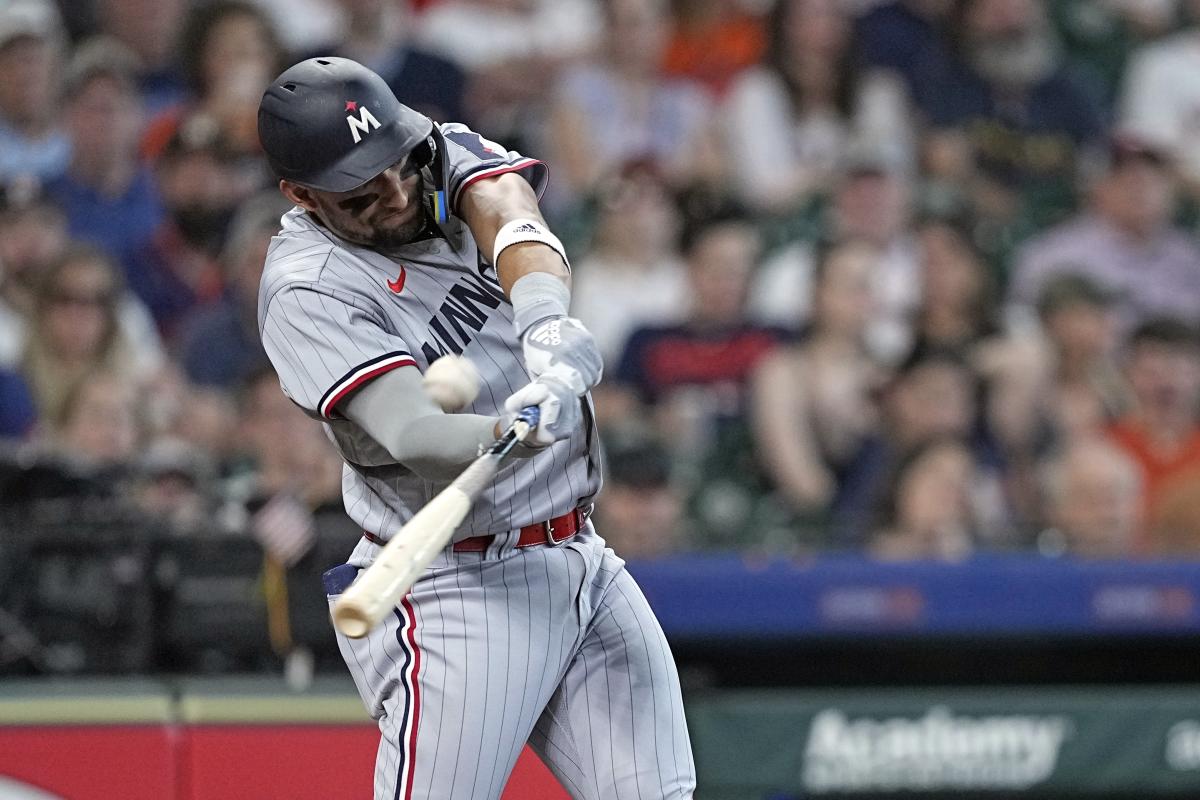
(452,381)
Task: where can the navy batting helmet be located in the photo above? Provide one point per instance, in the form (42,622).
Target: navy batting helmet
(332,124)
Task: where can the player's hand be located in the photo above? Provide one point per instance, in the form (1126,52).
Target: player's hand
(558,404)
(563,346)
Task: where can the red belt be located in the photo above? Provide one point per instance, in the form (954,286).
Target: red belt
(555,531)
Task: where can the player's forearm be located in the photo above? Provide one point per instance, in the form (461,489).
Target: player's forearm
(534,272)
(488,206)
(440,445)
(396,411)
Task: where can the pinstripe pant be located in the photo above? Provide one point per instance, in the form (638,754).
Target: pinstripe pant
(551,645)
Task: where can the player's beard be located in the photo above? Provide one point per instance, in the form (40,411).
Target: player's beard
(382,236)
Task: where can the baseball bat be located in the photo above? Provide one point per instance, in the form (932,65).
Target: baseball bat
(379,588)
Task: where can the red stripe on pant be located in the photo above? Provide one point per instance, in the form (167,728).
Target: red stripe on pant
(414,688)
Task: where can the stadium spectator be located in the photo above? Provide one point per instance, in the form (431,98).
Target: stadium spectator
(479,34)
(220,346)
(713,40)
(380,35)
(692,377)
(788,121)
(813,401)
(1045,387)
(284,451)
(1086,387)
(1099,39)
(927,513)
(264,422)
(289,470)
(872,202)
(1161,433)
(109,196)
(83,453)
(305,25)
(33,235)
(903,36)
(31,52)
(641,505)
(75,330)
(229,54)
(203,418)
(150,28)
(632,274)
(172,483)
(1160,99)
(1175,532)
(959,312)
(96,427)
(1007,120)
(1093,500)
(508,49)
(620,108)
(714,348)
(958,306)
(932,394)
(201,186)
(1124,240)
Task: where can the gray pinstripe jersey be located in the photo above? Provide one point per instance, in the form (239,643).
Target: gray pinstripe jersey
(333,315)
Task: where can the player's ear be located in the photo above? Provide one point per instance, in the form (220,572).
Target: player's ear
(300,195)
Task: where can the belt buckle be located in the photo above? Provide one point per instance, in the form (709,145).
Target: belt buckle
(550,540)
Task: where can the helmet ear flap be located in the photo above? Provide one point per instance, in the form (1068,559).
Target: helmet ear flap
(424,154)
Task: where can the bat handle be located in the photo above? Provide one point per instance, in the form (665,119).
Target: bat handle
(530,415)
(525,421)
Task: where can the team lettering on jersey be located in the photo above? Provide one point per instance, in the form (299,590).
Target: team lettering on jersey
(462,314)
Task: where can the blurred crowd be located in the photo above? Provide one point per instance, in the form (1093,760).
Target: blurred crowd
(914,278)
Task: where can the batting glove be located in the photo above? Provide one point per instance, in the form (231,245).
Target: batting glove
(558,404)
(563,346)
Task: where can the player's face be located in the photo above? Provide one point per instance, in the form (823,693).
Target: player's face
(383,213)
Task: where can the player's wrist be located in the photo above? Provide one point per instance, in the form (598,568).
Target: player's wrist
(566,379)
(537,297)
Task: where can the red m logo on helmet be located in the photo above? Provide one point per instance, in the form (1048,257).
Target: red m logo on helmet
(361,124)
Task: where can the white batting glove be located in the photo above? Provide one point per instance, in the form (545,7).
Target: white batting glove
(564,347)
(557,403)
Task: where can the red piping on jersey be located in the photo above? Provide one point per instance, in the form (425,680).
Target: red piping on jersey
(360,380)
(491,173)
(416,694)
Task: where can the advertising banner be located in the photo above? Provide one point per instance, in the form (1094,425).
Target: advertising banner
(723,597)
(1137,741)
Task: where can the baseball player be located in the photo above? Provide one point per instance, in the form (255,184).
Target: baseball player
(409,240)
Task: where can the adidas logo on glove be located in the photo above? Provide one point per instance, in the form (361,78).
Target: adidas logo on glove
(548,335)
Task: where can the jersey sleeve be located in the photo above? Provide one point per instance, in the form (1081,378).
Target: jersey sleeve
(325,344)
(470,158)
